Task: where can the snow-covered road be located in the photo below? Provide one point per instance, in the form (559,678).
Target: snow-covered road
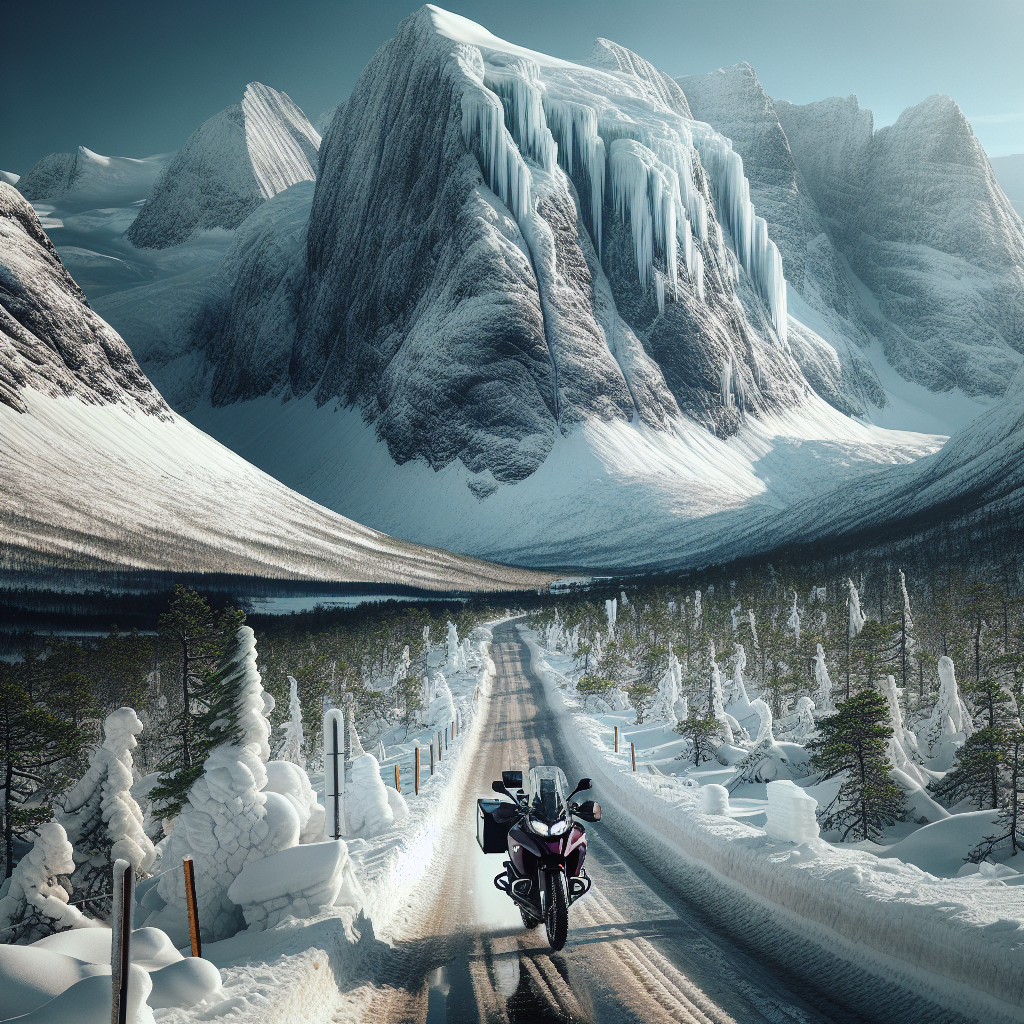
(645,945)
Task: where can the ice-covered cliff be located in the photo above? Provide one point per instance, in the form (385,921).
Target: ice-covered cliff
(229,166)
(98,472)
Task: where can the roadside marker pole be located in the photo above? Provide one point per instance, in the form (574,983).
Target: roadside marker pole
(439,747)
(446,739)
(121,940)
(416,777)
(193,910)
(431,757)
(398,780)
(616,739)
(632,754)
(334,774)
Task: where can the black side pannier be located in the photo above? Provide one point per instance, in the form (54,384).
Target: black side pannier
(490,834)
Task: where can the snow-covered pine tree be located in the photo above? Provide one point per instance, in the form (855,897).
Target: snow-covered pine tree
(292,749)
(101,818)
(981,769)
(36,904)
(854,740)
(227,821)
(201,637)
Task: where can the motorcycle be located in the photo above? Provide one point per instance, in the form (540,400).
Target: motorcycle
(546,842)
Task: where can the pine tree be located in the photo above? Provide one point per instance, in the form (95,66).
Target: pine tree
(1010,830)
(33,741)
(202,637)
(854,740)
(702,730)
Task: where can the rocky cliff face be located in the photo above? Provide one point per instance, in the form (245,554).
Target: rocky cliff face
(917,213)
(50,340)
(229,166)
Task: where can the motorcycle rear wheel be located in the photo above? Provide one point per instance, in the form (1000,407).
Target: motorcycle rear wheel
(529,921)
(556,921)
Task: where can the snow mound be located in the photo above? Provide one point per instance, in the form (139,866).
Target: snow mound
(88,1002)
(31,976)
(299,882)
(714,799)
(941,848)
(792,813)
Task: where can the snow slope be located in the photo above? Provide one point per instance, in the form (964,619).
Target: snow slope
(95,470)
(231,164)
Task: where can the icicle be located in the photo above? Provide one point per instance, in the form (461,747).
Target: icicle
(756,251)
(507,173)
(647,190)
(519,88)
(725,382)
(574,127)
(659,290)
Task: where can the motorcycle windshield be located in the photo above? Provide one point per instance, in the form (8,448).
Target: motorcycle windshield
(546,792)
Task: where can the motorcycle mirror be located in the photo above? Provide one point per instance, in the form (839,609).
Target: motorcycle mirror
(497,787)
(512,779)
(589,810)
(582,785)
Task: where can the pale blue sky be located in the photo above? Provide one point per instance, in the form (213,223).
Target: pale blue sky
(130,79)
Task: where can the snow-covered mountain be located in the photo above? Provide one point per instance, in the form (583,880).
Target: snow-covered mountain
(90,180)
(527,312)
(230,165)
(97,472)
(900,241)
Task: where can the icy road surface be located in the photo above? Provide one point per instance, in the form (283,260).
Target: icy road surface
(641,947)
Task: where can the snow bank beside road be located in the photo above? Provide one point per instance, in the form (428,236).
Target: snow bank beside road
(958,942)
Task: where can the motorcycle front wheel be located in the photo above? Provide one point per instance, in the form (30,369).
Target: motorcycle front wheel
(556,920)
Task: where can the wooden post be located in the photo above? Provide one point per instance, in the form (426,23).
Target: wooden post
(439,758)
(398,780)
(446,739)
(416,776)
(121,940)
(632,754)
(193,910)
(616,739)
(431,757)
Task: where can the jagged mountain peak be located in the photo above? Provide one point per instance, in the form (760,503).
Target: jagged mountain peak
(231,164)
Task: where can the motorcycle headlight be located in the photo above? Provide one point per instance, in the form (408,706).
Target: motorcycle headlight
(543,829)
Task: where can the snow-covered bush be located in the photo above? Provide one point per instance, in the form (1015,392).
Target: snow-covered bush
(100,816)
(227,821)
(36,904)
(293,739)
(292,782)
(367,808)
(456,653)
(941,735)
